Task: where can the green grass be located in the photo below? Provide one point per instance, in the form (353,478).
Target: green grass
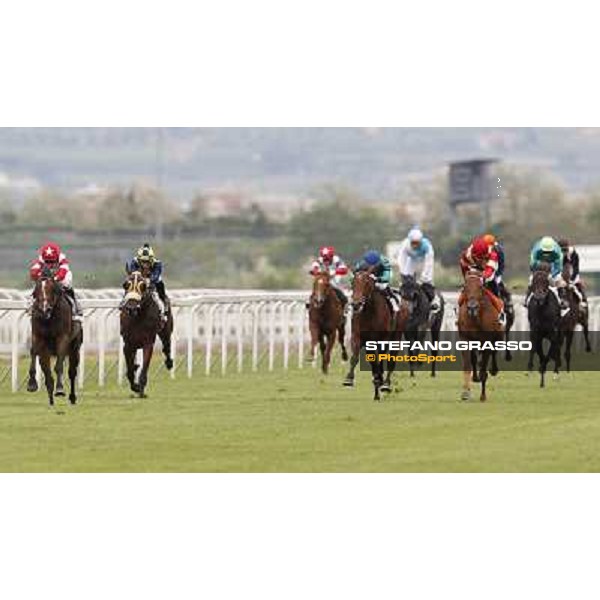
(300,421)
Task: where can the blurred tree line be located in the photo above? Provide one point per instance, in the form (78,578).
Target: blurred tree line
(251,247)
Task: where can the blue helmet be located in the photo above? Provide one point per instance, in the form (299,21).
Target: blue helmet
(372,258)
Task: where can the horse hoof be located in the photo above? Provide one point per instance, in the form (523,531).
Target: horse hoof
(348,383)
(169,363)
(466,396)
(32,386)
(143,395)
(508,357)
(73,400)
(385,388)
(60,393)
(482,399)
(344,356)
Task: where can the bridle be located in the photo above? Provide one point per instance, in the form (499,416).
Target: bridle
(369,285)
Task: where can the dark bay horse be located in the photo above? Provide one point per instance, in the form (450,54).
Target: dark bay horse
(569,321)
(371,313)
(543,311)
(582,314)
(326,320)
(140,324)
(420,320)
(53,333)
(477,322)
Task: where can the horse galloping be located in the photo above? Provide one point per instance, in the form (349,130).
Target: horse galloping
(326,320)
(544,316)
(478,322)
(371,313)
(141,322)
(419,317)
(53,333)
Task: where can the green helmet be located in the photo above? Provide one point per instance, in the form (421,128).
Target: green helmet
(145,254)
(547,244)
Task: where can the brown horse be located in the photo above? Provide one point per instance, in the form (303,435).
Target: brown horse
(140,324)
(326,320)
(371,313)
(53,333)
(477,322)
(569,322)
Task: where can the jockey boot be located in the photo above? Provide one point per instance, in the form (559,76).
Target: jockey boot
(161,306)
(578,289)
(75,306)
(391,298)
(564,305)
(527,296)
(434,305)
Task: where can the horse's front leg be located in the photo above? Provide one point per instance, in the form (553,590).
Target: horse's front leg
(143,381)
(342,339)
(165,338)
(483,375)
(32,385)
(314,340)
(327,353)
(355,348)
(467,375)
(48,379)
(129,353)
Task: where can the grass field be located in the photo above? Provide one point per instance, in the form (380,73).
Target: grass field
(300,421)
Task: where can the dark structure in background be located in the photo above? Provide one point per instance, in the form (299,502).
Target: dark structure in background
(471,182)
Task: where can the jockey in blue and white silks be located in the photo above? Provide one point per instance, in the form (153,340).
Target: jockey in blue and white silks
(416,258)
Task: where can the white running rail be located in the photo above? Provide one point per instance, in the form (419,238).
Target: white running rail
(216,331)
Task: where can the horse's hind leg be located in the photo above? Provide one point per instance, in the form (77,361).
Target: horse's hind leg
(165,338)
(586,333)
(355,347)
(474,363)
(467,375)
(48,379)
(494,367)
(32,385)
(377,371)
(568,342)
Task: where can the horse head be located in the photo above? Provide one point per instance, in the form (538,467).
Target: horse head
(540,283)
(474,292)
(136,288)
(46,295)
(321,287)
(363,285)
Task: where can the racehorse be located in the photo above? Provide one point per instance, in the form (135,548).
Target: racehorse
(419,319)
(477,322)
(581,313)
(544,322)
(371,313)
(140,324)
(326,320)
(53,333)
(569,321)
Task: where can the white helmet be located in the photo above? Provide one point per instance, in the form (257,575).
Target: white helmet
(415,235)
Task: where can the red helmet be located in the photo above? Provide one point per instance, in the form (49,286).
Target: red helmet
(327,253)
(479,248)
(50,252)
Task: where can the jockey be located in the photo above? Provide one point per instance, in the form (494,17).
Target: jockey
(149,266)
(52,257)
(496,247)
(546,250)
(382,270)
(330,262)
(415,258)
(482,257)
(571,257)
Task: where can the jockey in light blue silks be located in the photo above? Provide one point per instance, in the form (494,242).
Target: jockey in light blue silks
(546,250)
(416,258)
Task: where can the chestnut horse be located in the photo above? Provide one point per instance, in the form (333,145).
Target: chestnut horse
(371,313)
(140,324)
(326,320)
(53,333)
(477,322)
